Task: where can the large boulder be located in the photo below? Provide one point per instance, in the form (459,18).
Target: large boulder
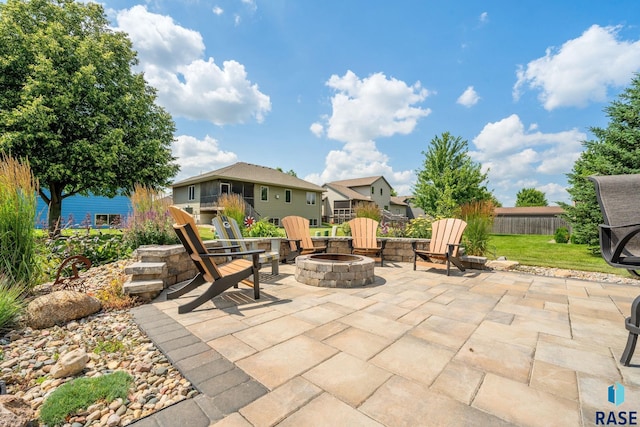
(15,412)
(60,307)
(70,363)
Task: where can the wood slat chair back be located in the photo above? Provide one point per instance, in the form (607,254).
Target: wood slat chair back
(227,228)
(299,236)
(446,235)
(220,277)
(365,240)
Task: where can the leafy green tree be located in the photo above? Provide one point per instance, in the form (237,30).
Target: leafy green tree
(615,150)
(449,178)
(530,197)
(71,104)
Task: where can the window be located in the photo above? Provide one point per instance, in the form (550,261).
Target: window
(275,221)
(264,194)
(381,191)
(107,220)
(311,198)
(287,196)
(192,192)
(313,222)
(373,190)
(225,188)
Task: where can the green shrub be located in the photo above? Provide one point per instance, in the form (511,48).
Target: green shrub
(233,206)
(479,218)
(263,228)
(150,223)
(561,235)
(82,392)
(18,248)
(368,210)
(11,303)
(419,228)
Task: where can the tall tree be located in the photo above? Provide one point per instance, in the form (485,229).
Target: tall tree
(615,150)
(530,197)
(71,104)
(449,177)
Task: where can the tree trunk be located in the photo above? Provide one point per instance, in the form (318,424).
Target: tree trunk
(55,211)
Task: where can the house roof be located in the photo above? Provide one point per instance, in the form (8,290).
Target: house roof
(359,182)
(399,200)
(248,172)
(347,192)
(531,211)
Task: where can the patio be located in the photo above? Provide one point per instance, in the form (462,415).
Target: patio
(421,348)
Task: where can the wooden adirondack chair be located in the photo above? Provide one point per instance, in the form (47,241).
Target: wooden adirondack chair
(227,229)
(446,235)
(299,237)
(219,277)
(619,200)
(364,240)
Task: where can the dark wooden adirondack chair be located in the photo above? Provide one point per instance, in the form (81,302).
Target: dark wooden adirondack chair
(364,240)
(299,237)
(227,228)
(446,235)
(619,199)
(219,277)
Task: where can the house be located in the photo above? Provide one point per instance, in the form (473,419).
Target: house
(81,211)
(268,193)
(529,220)
(342,198)
(404,205)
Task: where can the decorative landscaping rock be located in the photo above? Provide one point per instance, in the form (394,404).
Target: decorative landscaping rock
(15,412)
(60,307)
(70,364)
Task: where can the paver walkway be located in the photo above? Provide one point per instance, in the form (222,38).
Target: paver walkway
(416,348)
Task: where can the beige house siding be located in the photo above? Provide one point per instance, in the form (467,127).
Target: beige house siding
(276,206)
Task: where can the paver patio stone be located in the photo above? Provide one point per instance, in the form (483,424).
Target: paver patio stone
(510,360)
(347,378)
(284,400)
(458,381)
(231,347)
(215,328)
(578,360)
(384,309)
(454,313)
(326,410)
(414,358)
(402,402)
(445,332)
(500,317)
(325,331)
(273,332)
(594,397)
(233,420)
(508,334)
(280,363)
(376,324)
(554,379)
(361,344)
(513,401)
(318,315)
(342,298)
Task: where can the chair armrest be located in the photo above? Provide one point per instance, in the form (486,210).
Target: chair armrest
(616,227)
(451,246)
(232,254)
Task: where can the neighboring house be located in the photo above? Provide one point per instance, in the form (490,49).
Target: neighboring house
(529,220)
(268,193)
(412,211)
(81,211)
(343,197)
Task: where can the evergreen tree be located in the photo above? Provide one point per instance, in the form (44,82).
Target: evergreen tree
(615,150)
(530,197)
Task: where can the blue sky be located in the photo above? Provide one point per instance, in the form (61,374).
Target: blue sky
(346,89)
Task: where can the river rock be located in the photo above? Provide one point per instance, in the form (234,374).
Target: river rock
(14,412)
(60,307)
(70,364)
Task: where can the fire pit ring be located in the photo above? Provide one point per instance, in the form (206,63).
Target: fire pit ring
(334,270)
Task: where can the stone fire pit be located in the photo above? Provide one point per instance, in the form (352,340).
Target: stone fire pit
(334,270)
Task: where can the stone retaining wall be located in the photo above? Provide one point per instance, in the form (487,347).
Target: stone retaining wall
(159,267)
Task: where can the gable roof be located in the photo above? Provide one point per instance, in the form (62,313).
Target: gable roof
(359,182)
(347,192)
(399,200)
(248,172)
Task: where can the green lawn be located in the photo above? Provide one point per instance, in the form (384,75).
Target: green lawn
(540,251)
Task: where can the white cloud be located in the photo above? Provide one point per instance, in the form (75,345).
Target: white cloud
(188,85)
(199,156)
(469,97)
(514,156)
(364,110)
(582,70)
(484,17)
(218,10)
